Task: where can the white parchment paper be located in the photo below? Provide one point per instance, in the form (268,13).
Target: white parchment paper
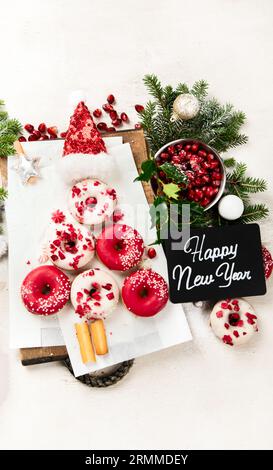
(29,211)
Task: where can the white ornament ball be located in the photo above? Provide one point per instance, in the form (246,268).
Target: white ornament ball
(185,106)
(231,207)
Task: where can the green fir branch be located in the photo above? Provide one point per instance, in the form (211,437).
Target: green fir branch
(254,212)
(3,194)
(10,129)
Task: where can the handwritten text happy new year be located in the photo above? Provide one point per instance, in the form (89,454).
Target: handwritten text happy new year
(225,272)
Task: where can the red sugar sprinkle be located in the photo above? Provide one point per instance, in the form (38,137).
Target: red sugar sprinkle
(107,286)
(227,340)
(251,318)
(219,314)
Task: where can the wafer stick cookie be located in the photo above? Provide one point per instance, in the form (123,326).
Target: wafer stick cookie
(85,343)
(99,339)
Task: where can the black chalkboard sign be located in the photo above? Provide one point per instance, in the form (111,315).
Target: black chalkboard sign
(216,263)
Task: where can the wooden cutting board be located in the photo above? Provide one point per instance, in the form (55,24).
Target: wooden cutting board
(137,141)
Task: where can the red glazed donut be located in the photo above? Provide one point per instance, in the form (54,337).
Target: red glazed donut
(145,293)
(45,290)
(120,247)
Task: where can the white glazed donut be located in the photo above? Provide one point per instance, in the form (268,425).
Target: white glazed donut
(70,246)
(91,201)
(94,294)
(233,321)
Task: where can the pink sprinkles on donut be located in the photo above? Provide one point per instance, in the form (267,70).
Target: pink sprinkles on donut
(45,299)
(133,251)
(151,279)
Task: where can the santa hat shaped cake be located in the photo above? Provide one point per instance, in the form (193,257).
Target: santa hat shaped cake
(84,153)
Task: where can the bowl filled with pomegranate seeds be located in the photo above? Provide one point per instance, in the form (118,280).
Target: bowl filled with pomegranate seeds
(203,166)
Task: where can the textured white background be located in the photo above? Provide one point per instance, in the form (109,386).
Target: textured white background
(200,395)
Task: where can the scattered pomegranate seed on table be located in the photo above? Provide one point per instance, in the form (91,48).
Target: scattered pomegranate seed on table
(138,125)
(117,215)
(38,133)
(102,126)
(42,128)
(107,107)
(53,131)
(110,129)
(22,139)
(44,137)
(139,108)
(97,113)
(124,117)
(117,122)
(63,134)
(113,115)
(151,253)
(29,128)
(110,99)
(32,137)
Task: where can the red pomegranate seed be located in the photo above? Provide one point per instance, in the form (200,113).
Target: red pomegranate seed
(42,128)
(44,137)
(38,133)
(194,147)
(22,139)
(107,107)
(138,125)
(63,135)
(117,122)
(139,108)
(110,99)
(124,117)
(113,115)
(111,129)
(97,113)
(151,253)
(52,137)
(29,128)
(102,126)
(53,131)
(33,137)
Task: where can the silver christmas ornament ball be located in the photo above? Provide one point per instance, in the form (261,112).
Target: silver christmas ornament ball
(185,106)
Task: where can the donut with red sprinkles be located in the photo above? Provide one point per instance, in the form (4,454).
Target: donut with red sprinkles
(94,294)
(91,201)
(70,246)
(120,247)
(145,293)
(45,290)
(268,262)
(233,321)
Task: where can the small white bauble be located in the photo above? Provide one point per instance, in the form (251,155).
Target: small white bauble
(231,207)
(185,106)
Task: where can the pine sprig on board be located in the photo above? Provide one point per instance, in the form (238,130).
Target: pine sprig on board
(9,132)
